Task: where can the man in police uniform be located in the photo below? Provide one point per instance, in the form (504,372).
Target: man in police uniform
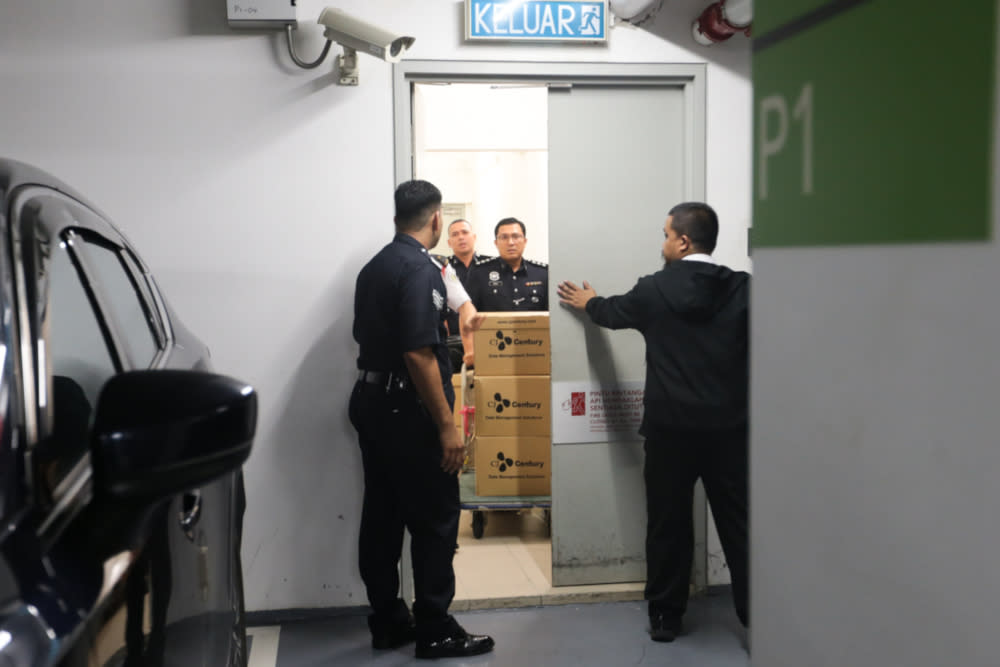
(693,315)
(461,317)
(401,407)
(509,282)
(462,241)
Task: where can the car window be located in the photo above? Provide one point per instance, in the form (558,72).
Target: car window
(144,284)
(137,328)
(10,405)
(81,363)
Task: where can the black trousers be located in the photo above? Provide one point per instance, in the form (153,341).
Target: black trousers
(404,488)
(675,459)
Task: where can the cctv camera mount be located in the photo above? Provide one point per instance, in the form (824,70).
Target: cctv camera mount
(347,65)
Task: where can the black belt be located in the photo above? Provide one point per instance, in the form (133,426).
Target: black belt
(374,377)
(386,379)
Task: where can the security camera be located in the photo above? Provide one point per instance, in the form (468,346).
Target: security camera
(353,35)
(356,34)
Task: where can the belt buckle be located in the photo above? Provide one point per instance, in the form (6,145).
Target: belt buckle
(375,378)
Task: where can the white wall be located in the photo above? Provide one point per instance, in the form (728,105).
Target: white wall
(256,191)
(486,146)
(496,185)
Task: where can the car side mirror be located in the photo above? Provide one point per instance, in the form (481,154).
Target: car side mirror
(158,433)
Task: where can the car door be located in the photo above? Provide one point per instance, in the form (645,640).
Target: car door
(203,525)
(135,588)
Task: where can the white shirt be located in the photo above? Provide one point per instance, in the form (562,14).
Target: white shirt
(701,257)
(452,285)
(456,291)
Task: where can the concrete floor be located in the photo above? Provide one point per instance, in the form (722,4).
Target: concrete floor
(511,566)
(504,589)
(605,634)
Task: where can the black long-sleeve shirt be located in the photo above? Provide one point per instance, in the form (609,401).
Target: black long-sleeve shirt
(694,318)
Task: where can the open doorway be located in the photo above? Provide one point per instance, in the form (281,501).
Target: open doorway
(485,145)
(622,143)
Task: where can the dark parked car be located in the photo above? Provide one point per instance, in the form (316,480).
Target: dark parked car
(121,491)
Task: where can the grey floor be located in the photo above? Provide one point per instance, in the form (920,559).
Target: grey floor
(584,634)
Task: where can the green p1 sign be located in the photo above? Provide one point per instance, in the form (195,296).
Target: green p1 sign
(873,121)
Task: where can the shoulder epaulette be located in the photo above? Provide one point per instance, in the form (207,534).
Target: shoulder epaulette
(534,263)
(438,261)
(484,260)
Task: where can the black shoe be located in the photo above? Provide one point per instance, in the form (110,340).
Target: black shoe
(458,643)
(385,636)
(663,628)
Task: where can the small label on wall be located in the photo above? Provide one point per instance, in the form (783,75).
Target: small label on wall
(260,13)
(452,211)
(592,412)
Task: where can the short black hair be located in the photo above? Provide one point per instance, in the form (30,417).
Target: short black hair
(509,221)
(698,222)
(416,201)
(458,220)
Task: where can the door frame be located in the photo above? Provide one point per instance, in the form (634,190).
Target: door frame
(690,77)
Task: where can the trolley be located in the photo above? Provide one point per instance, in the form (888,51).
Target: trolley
(468,500)
(479,505)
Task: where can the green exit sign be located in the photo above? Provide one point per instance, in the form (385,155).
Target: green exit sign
(873,121)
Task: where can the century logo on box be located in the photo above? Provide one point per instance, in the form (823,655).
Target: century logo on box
(503,463)
(502,341)
(499,403)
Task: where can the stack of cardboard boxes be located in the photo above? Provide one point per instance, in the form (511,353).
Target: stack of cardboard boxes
(513,424)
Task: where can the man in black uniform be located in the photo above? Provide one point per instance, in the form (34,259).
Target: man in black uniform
(401,407)
(462,241)
(509,282)
(693,315)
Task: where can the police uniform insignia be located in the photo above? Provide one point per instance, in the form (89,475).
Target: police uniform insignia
(494,275)
(438,299)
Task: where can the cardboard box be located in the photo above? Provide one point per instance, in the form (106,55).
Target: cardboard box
(519,405)
(513,466)
(513,344)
